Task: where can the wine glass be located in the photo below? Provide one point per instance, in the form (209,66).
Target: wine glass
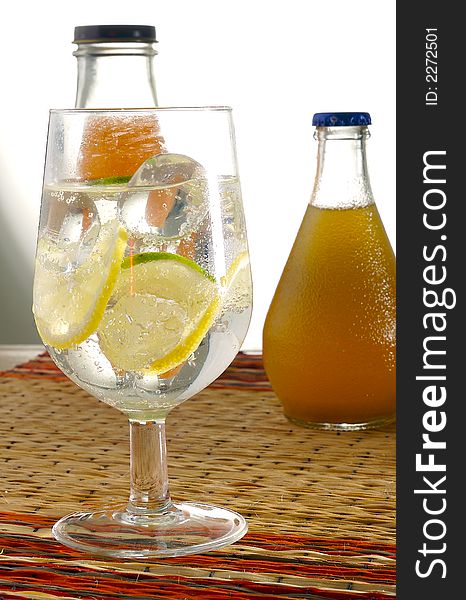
(143,296)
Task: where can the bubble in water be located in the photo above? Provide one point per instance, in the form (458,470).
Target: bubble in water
(167,197)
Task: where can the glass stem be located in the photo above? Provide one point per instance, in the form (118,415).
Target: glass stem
(148,468)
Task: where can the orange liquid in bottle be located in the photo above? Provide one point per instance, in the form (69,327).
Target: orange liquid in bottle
(329,336)
(114,147)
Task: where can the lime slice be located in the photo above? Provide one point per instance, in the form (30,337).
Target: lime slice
(162,306)
(116,180)
(68,306)
(146,257)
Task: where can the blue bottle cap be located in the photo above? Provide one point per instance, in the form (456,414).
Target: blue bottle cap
(341,119)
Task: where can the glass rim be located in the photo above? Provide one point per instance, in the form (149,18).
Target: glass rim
(149,110)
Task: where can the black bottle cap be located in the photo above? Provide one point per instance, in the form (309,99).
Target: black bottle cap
(88,34)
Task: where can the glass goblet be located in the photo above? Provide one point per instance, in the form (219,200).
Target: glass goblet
(142,296)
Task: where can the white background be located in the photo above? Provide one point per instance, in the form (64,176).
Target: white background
(274,62)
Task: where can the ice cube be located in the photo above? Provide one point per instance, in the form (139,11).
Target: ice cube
(167,198)
(164,170)
(70,227)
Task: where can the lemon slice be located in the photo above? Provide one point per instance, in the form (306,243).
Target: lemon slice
(239,266)
(237,285)
(162,306)
(68,306)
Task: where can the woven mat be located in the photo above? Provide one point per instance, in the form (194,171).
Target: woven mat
(320,505)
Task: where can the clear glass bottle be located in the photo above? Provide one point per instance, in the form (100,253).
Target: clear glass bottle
(115,70)
(329,336)
(115,66)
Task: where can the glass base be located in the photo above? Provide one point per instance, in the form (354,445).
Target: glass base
(181,529)
(375,424)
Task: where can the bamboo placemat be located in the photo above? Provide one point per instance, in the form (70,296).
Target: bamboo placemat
(320,505)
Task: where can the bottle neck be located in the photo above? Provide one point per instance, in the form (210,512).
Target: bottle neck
(116,75)
(342,179)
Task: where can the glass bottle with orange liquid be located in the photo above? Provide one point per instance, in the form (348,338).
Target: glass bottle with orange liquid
(330,333)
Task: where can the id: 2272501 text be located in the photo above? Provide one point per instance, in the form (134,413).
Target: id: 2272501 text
(431,97)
